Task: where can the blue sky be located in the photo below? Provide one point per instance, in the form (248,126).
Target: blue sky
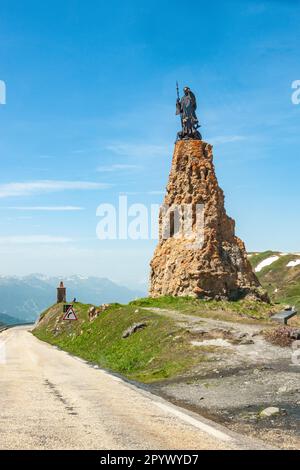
(90,115)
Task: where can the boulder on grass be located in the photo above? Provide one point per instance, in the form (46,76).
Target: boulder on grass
(133,328)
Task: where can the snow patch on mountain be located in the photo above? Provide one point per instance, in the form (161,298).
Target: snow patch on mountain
(293,264)
(266,262)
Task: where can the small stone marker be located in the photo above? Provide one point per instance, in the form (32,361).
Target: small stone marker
(61,293)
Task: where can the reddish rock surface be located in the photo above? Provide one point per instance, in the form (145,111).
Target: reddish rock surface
(209,261)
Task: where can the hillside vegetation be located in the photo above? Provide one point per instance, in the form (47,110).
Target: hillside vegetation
(281,277)
(161,350)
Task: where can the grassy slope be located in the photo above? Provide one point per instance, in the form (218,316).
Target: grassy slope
(243,311)
(159,351)
(279,276)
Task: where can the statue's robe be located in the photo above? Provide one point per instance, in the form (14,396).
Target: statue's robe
(187,108)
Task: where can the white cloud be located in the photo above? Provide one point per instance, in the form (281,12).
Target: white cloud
(159,193)
(138,150)
(117,166)
(46,186)
(47,208)
(225,139)
(32,239)
(129,193)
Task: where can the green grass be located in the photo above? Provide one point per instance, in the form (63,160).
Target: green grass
(159,351)
(239,311)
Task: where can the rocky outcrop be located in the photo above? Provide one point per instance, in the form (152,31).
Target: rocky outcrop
(94,312)
(198,253)
(133,329)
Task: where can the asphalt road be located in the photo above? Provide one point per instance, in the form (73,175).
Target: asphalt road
(51,400)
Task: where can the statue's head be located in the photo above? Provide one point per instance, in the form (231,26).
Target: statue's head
(186,90)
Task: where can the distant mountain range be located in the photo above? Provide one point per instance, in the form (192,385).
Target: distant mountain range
(22,299)
(6,320)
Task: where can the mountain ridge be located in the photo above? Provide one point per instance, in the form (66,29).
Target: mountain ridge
(7,320)
(24,297)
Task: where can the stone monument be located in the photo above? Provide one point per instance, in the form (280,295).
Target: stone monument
(208,260)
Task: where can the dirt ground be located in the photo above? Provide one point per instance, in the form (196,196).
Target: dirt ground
(243,375)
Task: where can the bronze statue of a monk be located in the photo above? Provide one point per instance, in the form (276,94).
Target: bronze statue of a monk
(186,107)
